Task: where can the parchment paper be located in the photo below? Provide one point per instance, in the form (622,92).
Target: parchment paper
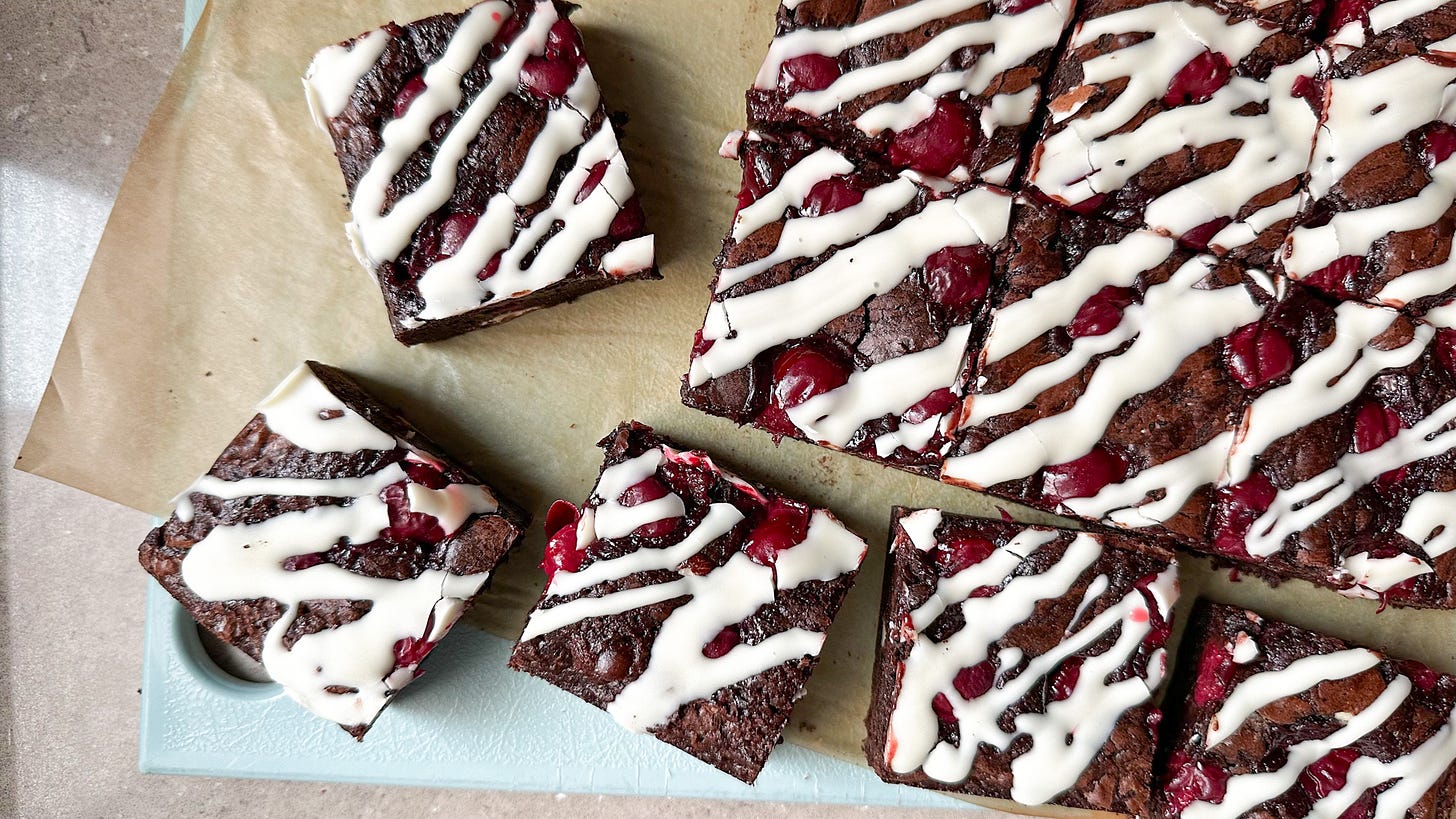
(225,263)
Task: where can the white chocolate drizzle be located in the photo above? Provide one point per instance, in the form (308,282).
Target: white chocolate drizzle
(1267,687)
(1095,153)
(1013,39)
(677,671)
(452,285)
(1072,731)
(246,561)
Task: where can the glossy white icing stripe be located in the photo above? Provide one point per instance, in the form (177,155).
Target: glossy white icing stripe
(920,527)
(890,387)
(1325,382)
(1095,155)
(1417,771)
(1072,731)
(336,71)
(246,561)
(303,410)
(1174,320)
(1431,522)
(1247,791)
(1157,493)
(677,671)
(745,326)
(1267,687)
(1373,576)
(1296,508)
(631,256)
(380,236)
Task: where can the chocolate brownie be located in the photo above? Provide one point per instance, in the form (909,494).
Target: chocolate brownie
(1401,27)
(1113,374)
(1194,119)
(483,170)
(1345,474)
(1381,216)
(1270,720)
(846,296)
(1020,662)
(945,89)
(332,542)
(686,602)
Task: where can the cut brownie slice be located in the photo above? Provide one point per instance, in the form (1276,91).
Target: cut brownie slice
(1345,474)
(333,543)
(946,89)
(1401,27)
(1113,375)
(1382,184)
(1273,720)
(686,602)
(1193,119)
(1020,662)
(845,299)
(483,170)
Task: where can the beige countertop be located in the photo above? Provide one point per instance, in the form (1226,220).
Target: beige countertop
(77,83)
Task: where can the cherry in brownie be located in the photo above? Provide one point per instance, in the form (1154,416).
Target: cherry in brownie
(1273,720)
(846,296)
(945,89)
(686,602)
(1113,374)
(1191,118)
(1402,27)
(483,171)
(1381,218)
(1345,474)
(1020,662)
(333,543)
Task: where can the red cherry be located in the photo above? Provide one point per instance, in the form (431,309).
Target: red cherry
(425,474)
(936,403)
(957,276)
(1064,681)
(1242,503)
(976,680)
(562,554)
(936,145)
(829,195)
(1327,774)
(785,527)
(492,267)
(808,72)
(1199,237)
(563,42)
(958,555)
(1440,143)
(800,373)
(1364,807)
(1083,477)
(701,345)
(1102,313)
(940,704)
(1445,346)
(1018,6)
(549,79)
(411,651)
(1421,674)
(648,489)
(1257,354)
(1192,782)
(1310,90)
(720,644)
(1375,425)
(454,231)
(560,515)
(1348,11)
(593,178)
(407,93)
(1338,277)
(507,33)
(629,221)
(297,563)
(1087,206)
(1197,81)
(1158,627)
(405,525)
(1215,671)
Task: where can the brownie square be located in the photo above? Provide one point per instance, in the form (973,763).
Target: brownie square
(947,91)
(483,170)
(334,543)
(845,300)
(1113,375)
(1345,474)
(1020,662)
(1381,218)
(686,602)
(1272,720)
(1190,118)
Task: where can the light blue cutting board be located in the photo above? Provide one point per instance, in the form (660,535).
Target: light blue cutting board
(470,722)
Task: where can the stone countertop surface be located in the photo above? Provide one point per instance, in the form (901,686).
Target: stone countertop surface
(78,81)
